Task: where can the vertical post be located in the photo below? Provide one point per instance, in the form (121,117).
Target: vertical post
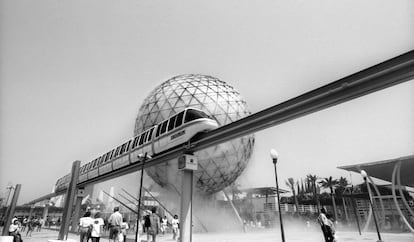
(274,155)
(186,206)
(139,198)
(70,196)
(188,164)
(12,209)
(345,210)
(45,212)
(32,207)
(278,203)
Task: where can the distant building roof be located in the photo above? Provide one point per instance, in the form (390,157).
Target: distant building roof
(383,169)
(263,190)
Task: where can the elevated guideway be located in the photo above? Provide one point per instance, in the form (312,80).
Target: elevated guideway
(386,74)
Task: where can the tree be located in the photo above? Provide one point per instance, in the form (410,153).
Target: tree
(342,185)
(291,184)
(331,184)
(311,179)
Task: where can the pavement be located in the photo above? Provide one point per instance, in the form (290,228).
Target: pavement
(263,235)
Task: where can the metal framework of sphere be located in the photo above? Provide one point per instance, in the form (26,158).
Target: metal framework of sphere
(219,166)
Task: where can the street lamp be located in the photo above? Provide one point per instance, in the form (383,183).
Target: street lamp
(364,175)
(274,155)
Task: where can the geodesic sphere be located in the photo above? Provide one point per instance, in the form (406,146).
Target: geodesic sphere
(220,165)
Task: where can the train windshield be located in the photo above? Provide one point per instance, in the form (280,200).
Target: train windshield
(193,114)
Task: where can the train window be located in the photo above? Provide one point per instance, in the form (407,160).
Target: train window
(141,139)
(123,148)
(158,130)
(135,142)
(105,157)
(192,114)
(145,137)
(171,123)
(150,134)
(111,154)
(128,145)
(179,119)
(164,127)
(101,160)
(117,151)
(93,163)
(96,162)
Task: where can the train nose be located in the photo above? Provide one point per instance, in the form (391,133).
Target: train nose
(214,124)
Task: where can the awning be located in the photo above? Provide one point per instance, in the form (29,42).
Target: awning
(383,169)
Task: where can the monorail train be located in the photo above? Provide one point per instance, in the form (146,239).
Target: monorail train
(176,130)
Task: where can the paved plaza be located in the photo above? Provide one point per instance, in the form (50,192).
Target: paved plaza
(265,235)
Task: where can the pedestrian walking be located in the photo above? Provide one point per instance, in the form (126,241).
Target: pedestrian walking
(124,228)
(30,227)
(85,226)
(164,223)
(155,224)
(326,226)
(97,227)
(115,221)
(175,223)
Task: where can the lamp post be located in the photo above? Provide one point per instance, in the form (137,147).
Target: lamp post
(274,155)
(364,175)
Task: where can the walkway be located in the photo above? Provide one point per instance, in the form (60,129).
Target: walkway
(264,235)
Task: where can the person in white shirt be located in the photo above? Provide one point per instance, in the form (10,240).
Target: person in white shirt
(115,221)
(85,226)
(14,230)
(97,227)
(175,226)
(124,228)
(164,222)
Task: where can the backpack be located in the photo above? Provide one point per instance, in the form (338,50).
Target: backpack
(147,221)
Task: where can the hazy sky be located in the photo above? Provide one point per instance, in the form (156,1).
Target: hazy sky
(74,73)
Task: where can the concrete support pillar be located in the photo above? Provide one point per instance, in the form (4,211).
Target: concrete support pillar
(188,164)
(186,206)
(76,214)
(45,212)
(31,211)
(12,209)
(70,196)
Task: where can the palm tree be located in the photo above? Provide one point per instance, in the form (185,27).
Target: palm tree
(331,184)
(342,185)
(291,184)
(311,179)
